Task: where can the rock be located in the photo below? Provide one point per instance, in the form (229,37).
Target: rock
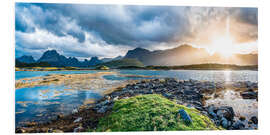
(78,129)
(77,120)
(242,118)
(74,111)
(20,130)
(103,109)
(190,92)
(248,84)
(116,98)
(238,125)
(211,111)
(50,130)
(186,87)
(227,112)
(199,108)
(59,116)
(197,103)
(107,97)
(185,116)
(254,119)
(220,113)
(237,85)
(103,103)
(224,122)
(167,95)
(249,95)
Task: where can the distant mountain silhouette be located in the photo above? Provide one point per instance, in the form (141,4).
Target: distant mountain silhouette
(93,61)
(55,59)
(111,59)
(181,55)
(26,59)
(186,55)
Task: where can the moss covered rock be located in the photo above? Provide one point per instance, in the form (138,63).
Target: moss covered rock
(152,113)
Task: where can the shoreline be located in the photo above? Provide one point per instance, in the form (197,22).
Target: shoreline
(206,66)
(189,93)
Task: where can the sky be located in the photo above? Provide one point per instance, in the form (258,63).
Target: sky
(83,30)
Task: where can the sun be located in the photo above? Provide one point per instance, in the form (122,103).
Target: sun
(223,45)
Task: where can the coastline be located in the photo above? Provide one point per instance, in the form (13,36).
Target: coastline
(183,67)
(189,93)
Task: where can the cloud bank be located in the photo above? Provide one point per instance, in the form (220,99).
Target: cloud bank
(110,30)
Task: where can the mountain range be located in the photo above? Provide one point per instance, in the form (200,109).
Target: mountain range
(181,55)
(187,55)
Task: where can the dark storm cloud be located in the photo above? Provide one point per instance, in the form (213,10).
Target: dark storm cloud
(247,15)
(129,26)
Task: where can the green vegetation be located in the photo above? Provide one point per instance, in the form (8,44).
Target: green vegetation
(123,62)
(102,68)
(152,113)
(39,64)
(40,68)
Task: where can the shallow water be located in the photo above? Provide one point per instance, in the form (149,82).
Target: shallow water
(207,75)
(27,74)
(43,102)
(241,107)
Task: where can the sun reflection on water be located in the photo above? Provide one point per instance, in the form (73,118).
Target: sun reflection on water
(227,75)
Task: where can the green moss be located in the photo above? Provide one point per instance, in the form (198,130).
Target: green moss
(152,113)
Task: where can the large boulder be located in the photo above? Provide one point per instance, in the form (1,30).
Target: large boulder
(184,115)
(225,111)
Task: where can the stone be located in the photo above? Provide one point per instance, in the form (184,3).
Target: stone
(249,95)
(190,92)
(224,123)
(74,111)
(77,120)
(220,113)
(227,112)
(116,98)
(186,87)
(59,116)
(78,129)
(242,118)
(254,119)
(211,112)
(238,125)
(103,103)
(20,130)
(167,95)
(184,115)
(197,103)
(248,83)
(199,108)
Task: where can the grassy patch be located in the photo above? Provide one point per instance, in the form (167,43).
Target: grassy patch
(151,113)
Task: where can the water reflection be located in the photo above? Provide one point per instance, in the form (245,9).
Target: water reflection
(227,75)
(41,103)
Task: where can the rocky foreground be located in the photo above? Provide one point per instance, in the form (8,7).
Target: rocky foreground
(189,93)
